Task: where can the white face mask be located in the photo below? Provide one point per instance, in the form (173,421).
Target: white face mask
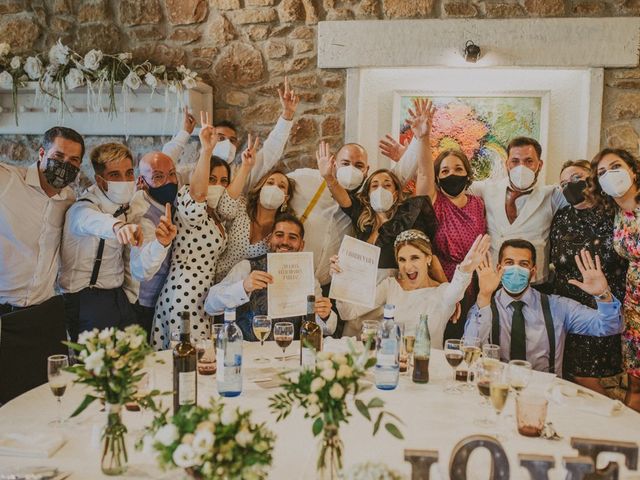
(120,192)
(214,194)
(381,200)
(225,150)
(349,177)
(522,177)
(271,197)
(615,183)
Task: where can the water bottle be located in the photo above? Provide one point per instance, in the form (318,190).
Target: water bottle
(387,370)
(229,356)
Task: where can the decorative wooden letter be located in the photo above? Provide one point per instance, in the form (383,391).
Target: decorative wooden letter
(421,461)
(537,465)
(592,448)
(577,467)
(462,451)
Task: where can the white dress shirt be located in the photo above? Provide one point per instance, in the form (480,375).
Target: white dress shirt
(30,232)
(230,293)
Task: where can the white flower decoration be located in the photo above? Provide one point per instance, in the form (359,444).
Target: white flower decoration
(328,374)
(167,434)
(95,362)
(184,456)
(33,68)
(313,410)
(189,82)
(336,391)
(344,371)
(85,336)
(59,54)
(5,48)
(107,333)
(132,81)
(228,416)
(203,441)
(74,78)
(317,384)
(244,437)
(136,341)
(125,56)
(313,398)
(151,80)
(92,60)
(6,80)
(15,62)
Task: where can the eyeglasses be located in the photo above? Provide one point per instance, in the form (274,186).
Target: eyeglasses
(159,179)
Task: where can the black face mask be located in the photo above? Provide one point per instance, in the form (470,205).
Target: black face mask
(453,185)
(164,194)
(574,192)
(58,173)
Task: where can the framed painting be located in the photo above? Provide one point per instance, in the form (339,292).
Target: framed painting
(479,125)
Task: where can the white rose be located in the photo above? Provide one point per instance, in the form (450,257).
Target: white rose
(147,445)
(15,63)
(167,434)
(317,384)
(244,437)
(344,371)
(184,456)
(151,80)
(203,441)
(313,410)
(5,48)
(336,391)
(323,356)
(313,398)
(59,54)
(74,78)
(6,80)
(92,60)
(95,362)
(328,374)
(214,417)
(33,68)
(228,416)
(132,81)
(340,359)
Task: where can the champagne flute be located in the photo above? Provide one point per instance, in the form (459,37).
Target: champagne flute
(58,380)
(283,335)
(261,329)
(369,332)
(499,392)
(409,342)
(454,357)
(471,350)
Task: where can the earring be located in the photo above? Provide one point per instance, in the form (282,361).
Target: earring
(283,208)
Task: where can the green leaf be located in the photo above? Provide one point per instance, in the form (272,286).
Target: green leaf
(376,403)
(376,425)
(88,399)
(393,430)
(363,409)
(317,426)
(370,363)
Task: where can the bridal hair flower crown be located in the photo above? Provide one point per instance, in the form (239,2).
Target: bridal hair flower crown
(409,235)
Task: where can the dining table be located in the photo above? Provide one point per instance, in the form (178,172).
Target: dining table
(432,418)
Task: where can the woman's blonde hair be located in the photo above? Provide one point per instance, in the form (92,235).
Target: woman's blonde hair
(106,153)
(368,216)
(253,197)
(416,239)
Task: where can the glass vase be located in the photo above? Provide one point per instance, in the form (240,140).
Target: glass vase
(114,448)
(330,456)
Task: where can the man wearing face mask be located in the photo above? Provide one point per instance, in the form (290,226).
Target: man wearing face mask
(96,236)
(245,286)
(529,325)
(32,210)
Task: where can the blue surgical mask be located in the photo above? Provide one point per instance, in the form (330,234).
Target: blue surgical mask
(164,194)
(515,279)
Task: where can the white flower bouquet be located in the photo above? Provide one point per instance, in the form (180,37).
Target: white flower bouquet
(211,442)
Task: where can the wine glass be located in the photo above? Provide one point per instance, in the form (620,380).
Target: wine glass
(369,332)
(471,351)
(499,391)
(519,375)
(206,356)
(489,350)
(283,335)
(58,380)
(454,357)
(485,373)
(261,329)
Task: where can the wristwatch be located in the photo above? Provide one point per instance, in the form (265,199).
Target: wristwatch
(604,295)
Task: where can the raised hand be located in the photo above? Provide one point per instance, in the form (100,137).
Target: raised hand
(256,281)
(390,148)
(208,137)
(421,119)
(326,161)
(322,307)
(476,254)
(128,234)
(165,230)
(488,279)
(249,154)
(593,280)
(189,121)
(289,101)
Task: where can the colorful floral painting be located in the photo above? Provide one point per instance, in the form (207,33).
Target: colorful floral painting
(479,126)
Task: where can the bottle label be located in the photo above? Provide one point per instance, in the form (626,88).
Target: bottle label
(187,388)
(308,358)
(220,365)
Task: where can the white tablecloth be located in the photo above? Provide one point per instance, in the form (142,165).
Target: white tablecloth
(432,420)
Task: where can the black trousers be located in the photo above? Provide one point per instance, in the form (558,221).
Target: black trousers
(144,317)
(97,308)
(27,337)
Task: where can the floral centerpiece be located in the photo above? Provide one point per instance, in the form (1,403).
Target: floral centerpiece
(371,471)
(62,69)
(323,392)
(111,362)
(211,442)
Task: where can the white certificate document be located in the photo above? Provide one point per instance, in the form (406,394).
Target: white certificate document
(293,280)
(356,283)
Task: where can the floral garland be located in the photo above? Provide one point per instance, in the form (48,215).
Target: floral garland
(62,69)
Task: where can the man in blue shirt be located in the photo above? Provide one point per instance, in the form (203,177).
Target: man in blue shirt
(529,325)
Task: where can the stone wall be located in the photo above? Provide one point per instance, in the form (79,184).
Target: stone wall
(245,47)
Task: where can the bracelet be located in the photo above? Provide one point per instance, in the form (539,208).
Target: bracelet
(603,295)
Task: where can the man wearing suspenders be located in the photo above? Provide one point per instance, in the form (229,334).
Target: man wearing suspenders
(532,326)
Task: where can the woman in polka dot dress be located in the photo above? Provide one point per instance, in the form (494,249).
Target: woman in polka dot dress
(198,244)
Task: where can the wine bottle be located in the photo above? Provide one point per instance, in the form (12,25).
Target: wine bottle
(387,370)
(229,356)
(185,379)
(310,336)
(422,351)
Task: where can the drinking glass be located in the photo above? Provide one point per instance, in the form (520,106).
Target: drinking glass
(489,350)
(454,357)
(470,347)
(408,342)
(206,356)
(485,373)
(261,329)
(283,335)
(499,391)
(369,332)
(519,375)
(58,381)
(531,414)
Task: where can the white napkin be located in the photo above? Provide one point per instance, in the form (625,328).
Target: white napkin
(39,445)
(585,402)
(341,345)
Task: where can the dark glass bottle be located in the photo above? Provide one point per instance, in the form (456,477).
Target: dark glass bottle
(185,376)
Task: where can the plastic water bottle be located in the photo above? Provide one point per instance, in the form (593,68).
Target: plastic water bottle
(229,356)
(387,371)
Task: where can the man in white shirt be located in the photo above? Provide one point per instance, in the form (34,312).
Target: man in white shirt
(95,240)
(245,286)
(33,203)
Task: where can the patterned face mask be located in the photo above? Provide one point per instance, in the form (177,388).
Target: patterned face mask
(59,173)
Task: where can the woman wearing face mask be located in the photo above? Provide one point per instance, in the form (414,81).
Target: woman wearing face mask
(251,220)
(200,239)
(414,291)
(615,183)
(582,225)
